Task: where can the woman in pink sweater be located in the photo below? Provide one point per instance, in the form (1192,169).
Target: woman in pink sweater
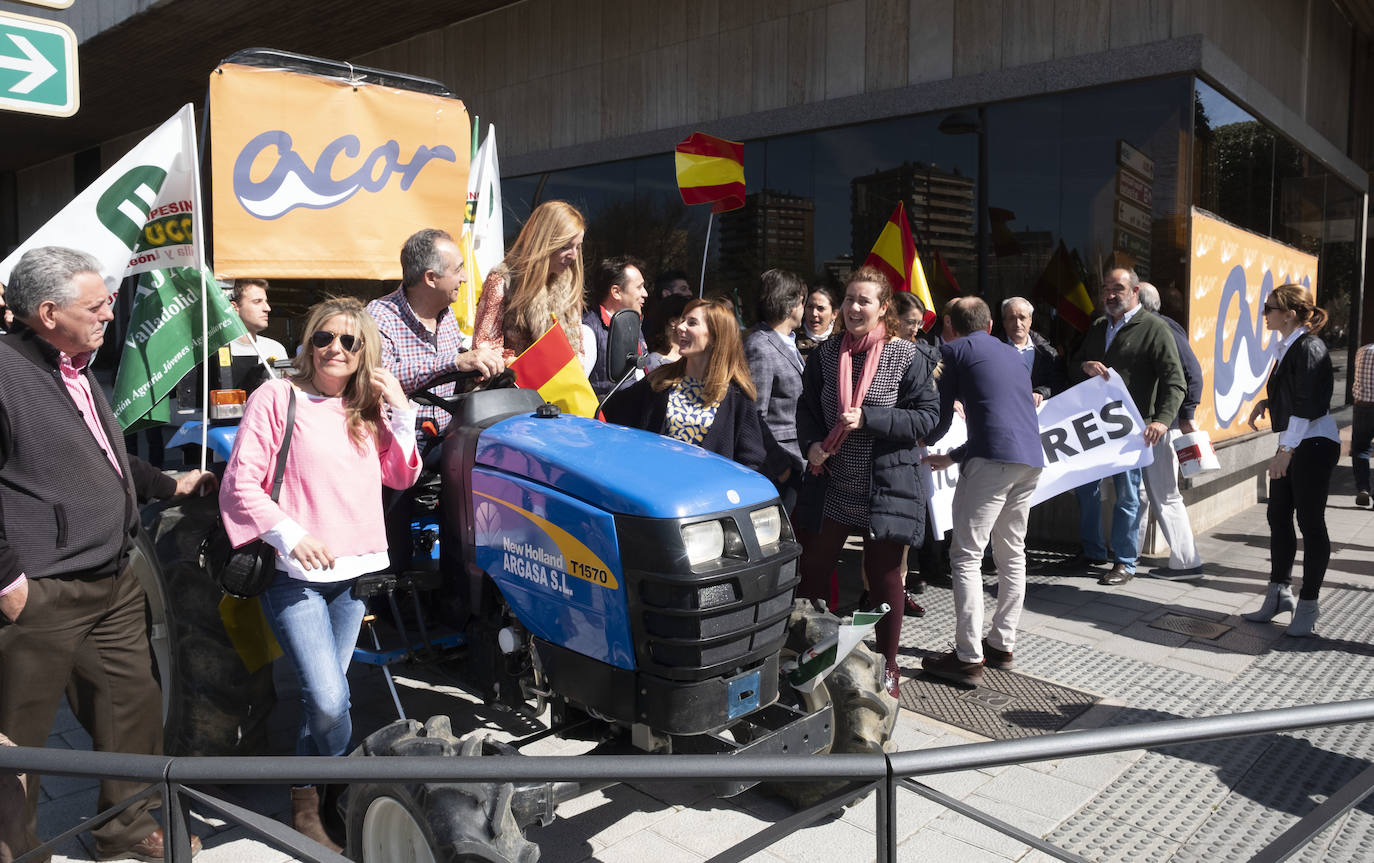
(354,432)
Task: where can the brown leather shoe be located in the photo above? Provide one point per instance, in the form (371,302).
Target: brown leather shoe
(994,658)
(151,848)
(305,817)
(949,666)
(1119,574)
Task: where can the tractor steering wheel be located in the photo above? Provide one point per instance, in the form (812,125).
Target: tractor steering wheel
(425,394)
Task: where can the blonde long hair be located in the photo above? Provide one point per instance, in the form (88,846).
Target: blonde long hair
(363,405)
(534,297)
(727,362)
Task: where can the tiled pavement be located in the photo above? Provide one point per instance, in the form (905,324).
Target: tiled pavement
(1216,801)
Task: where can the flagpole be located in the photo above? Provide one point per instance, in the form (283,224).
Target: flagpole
(705,249)
(198,214)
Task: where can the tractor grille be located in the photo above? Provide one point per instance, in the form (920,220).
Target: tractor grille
(691,627)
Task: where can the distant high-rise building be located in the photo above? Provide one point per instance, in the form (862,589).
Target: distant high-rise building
(940,208)
(771,230)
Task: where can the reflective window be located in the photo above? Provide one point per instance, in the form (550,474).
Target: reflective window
(1076,182)
(1250,175)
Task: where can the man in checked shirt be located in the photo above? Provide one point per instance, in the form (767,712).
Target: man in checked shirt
(1362,429)
(420,337)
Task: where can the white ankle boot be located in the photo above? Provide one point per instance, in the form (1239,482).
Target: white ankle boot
(1278,599)
(1304,619)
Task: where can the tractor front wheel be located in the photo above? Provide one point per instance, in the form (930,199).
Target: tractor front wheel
(432,822)
(864,714)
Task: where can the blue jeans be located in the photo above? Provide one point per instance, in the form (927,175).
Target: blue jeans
(317,626)
(1361,438)
(1125,519)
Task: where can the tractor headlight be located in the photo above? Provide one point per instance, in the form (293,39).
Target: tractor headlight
(767,525)
(705,541)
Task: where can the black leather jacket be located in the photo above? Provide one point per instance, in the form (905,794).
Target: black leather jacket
(1301,384)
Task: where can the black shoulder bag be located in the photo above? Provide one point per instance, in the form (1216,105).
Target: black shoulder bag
(247,571)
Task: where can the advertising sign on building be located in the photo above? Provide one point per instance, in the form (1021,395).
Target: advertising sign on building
(1232,272)
(318,177)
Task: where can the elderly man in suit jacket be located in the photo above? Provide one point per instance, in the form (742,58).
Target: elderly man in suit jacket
(774,363)
(1041,359)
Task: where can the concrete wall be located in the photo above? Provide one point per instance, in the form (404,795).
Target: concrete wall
(594,79)
(558,73)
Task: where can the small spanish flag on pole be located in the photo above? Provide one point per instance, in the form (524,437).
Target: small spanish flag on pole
(710,171)
(895,255)
(1062,284)
(551,367)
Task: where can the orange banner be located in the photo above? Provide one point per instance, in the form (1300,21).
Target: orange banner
(1233,271)
(315,177)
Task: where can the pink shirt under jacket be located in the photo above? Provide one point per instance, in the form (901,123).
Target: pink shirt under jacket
(332,488)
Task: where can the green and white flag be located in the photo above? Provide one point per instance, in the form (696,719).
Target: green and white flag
(138,216)
(164,341)
(816,662)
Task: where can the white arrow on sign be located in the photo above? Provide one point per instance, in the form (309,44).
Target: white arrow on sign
(33,62)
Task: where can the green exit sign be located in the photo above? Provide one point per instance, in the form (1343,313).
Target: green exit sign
(37,66)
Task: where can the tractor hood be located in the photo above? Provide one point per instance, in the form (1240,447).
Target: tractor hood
(620,470)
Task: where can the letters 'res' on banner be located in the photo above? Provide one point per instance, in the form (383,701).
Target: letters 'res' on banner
(710,170)
(318,177)
(1232,272)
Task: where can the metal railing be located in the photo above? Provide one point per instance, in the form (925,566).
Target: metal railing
(884,774)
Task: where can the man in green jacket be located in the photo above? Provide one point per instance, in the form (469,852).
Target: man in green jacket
(1136,344)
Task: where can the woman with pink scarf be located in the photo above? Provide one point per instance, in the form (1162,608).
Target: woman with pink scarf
(867,398)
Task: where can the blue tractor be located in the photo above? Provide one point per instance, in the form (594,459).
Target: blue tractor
(618,578)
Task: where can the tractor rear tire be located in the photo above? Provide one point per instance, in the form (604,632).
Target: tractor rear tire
(864,715)
(444,822)
(213,704)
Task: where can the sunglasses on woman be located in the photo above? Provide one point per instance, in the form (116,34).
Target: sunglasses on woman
(324,338)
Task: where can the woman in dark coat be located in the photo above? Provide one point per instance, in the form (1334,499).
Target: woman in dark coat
(867,398)
(705,398)
(1299,405)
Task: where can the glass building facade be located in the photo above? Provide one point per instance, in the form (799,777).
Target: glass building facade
(1108,175)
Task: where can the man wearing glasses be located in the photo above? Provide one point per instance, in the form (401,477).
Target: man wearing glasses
(1136,344)
(420,337)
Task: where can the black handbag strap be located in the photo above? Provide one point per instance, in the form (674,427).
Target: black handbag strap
(285,445)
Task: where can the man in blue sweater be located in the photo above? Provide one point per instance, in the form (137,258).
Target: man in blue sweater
(999,467)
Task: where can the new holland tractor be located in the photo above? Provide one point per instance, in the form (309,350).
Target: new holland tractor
(613,576)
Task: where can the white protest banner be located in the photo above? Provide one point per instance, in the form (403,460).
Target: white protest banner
(1087,432)
(137,216)
(940,483)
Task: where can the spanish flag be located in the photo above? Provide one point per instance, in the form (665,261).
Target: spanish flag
(895,254)
(551,367)
(1062,285)
(711,170)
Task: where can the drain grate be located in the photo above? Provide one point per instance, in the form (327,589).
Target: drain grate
(1006,706)
(1193,626)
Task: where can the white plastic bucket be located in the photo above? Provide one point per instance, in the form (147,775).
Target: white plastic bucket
(1195,454)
